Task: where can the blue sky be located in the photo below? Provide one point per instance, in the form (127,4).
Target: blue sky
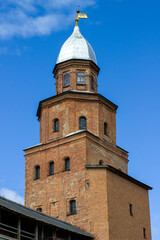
(126,39)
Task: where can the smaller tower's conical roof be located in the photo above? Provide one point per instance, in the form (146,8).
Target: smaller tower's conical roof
(76,47)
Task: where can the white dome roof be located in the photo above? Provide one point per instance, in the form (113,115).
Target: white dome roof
(76,47)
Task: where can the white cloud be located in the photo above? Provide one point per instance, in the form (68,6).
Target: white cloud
(27,18)
(29,26)
(12,195)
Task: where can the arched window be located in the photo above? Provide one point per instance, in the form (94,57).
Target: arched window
(100,162)
(37,172)
(82,123)
(81,78)
(105,128)
(56,125)
(66,80)
(67,164)
(92,82)
(73,209)
(51,168)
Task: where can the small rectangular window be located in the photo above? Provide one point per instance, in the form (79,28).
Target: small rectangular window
(66,80)
(92,82)
(105,128)
(81,78)
(73,209)
(67,164)
(37,172)
(51,170)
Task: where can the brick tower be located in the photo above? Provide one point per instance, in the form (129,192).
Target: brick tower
(77,173)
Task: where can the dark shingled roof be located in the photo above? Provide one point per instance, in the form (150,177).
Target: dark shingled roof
(122,174)
(38,216)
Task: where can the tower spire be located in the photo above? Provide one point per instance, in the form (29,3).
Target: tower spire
(79,15)
(77,19)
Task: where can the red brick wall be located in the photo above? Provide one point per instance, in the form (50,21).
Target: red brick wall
(100,150)
(122,225)
(102,197)
(68,112)
(73,67)
(97,203)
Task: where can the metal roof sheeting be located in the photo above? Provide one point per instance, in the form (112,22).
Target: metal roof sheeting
(38,216)
(76,47)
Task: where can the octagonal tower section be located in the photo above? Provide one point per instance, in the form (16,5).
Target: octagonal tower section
(78,75)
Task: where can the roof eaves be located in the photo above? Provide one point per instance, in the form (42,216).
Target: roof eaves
(74,92)
(107,100)
(30,213)
(122,174)
(122,149)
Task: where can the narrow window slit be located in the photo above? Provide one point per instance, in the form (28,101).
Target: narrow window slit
(67,164)
(131,209)
(51,168)
(37,172)
(144,233)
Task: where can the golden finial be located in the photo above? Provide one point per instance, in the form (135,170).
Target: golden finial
(80,15)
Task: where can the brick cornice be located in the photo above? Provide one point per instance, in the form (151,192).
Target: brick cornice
(75,137)
(76,62)
(77,95)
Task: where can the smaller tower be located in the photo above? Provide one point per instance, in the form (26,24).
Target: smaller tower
(76,67)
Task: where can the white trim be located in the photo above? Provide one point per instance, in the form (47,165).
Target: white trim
(39,144)
(82,91)
(73,133)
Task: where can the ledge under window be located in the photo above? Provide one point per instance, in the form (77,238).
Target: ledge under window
(50,175)
(35,179)
(70,214)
